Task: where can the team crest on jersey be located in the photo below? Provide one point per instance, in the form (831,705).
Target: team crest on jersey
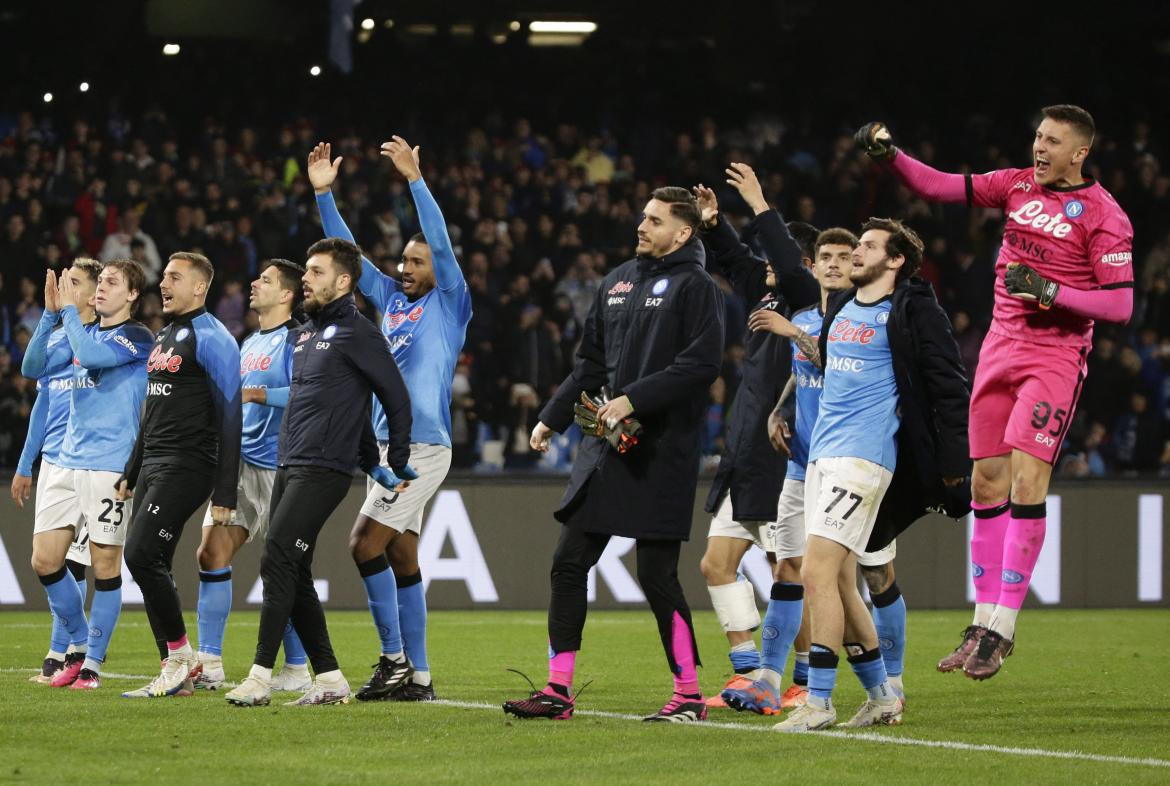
(660,286)
(883,318)
(182,334)
(329,332)
(276,339)
(1074,208)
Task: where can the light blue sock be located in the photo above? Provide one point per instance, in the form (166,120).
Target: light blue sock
(412,614)
(59,638)
(294,651)
(215,603)
(822,673)
(103,618)
(889,617)
(870,670)
(67,604)
(781,624)
(383,596)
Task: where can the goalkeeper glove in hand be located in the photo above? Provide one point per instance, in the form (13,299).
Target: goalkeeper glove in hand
(622,436)
(1025,283)
(877,142)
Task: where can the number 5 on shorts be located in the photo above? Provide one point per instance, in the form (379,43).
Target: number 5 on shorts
(840,492)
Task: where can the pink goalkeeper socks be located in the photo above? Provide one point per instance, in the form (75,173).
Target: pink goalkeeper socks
(987,549)
(560,667)
(1021,549)
(682,646)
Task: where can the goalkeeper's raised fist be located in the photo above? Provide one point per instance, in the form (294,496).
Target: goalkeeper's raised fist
(877,142)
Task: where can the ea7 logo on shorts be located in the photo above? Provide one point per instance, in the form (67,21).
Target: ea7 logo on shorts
(384,503)
(1045,440)
(300,544)
(1117,259)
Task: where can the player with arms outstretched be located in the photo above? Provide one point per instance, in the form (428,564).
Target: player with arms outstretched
(424,318)
(1065,261)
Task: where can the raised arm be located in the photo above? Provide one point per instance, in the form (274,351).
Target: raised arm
(91,353)
(929,183)
(448,276)
(374,284)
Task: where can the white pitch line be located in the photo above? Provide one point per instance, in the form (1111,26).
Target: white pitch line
(863,736)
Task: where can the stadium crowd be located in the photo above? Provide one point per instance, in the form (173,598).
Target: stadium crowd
(537,215)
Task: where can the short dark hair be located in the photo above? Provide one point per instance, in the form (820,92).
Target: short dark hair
(290,276)
(201,263)
(135,278)
(346,256)
(805,236)
(836,236)
(90,266)
(903,242)
(1076,117)
(683,205)
(418,237)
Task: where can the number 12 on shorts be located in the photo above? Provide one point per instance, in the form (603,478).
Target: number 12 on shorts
(841,494)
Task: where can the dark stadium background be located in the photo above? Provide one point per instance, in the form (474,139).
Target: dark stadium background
(670,92)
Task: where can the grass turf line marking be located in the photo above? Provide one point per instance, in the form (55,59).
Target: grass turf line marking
(864,736)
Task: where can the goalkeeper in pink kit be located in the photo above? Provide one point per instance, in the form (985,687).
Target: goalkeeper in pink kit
(1066,261)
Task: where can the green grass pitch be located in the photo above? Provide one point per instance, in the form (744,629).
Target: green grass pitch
(1085,699)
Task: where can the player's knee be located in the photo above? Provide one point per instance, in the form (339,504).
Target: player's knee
(990,488)
(403,564)
(715,570)
(787,570)
(878,578)
(566,573)
(211,557)
(1029,485)
(42,565)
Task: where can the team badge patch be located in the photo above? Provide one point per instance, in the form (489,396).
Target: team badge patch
(1074,209)
(329,332)
(182,334)
(660,286)
(276,339)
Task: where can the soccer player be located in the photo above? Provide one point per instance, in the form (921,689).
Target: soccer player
(655,337)
(1066,260)
(425,320)
(46,436)
(188,448)
(339,359)
(265,369)
(745,494)
(108,359)
(832,255)
(891,365)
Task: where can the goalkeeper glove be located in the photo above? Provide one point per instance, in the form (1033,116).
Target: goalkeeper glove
(876,141)
(622,436)
(1025,283)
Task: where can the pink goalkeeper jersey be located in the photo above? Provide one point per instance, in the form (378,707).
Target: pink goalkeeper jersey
(1077,236)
